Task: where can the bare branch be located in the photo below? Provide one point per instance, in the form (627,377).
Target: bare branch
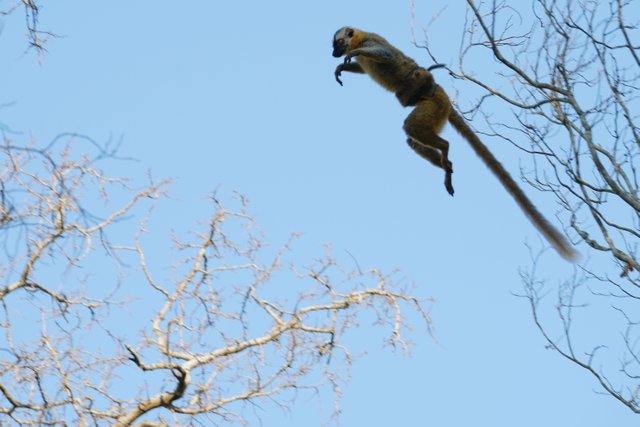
(570,81)
(221,333)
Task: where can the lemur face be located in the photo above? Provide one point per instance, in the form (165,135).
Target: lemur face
(341,41)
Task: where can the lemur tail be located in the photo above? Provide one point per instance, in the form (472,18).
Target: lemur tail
(558,241)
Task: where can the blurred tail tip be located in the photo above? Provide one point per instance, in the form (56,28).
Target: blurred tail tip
(569,254)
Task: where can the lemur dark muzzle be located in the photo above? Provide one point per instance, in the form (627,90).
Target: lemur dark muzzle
(339,48)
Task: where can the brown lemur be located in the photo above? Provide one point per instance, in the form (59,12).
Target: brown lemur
(415,86)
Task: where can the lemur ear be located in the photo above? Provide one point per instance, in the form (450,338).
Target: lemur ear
(350,32)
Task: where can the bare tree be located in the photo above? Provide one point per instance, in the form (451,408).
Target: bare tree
(88,340)
(569,71)
(31,11)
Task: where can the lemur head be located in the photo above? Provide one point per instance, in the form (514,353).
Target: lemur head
(342,40)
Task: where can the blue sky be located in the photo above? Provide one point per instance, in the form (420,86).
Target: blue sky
(240,96)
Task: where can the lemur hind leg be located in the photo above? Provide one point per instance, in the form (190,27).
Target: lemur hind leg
(435,158)
(422,127)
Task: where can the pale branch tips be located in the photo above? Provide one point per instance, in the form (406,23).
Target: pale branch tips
(119,341)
